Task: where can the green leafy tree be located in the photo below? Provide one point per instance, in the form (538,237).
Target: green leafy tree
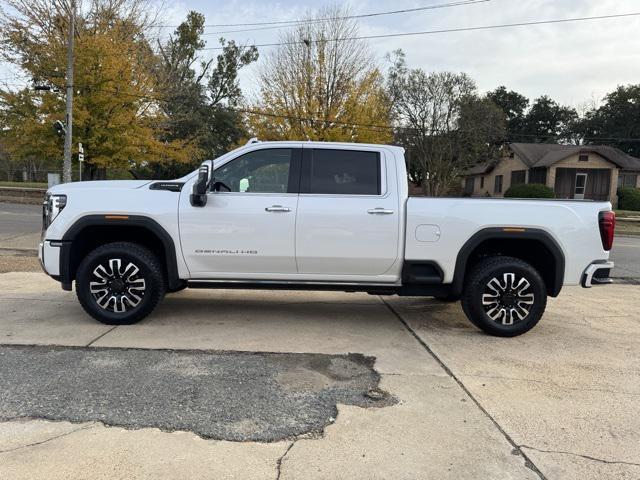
(196,101)
(616,122)
(514,105)
(549,122)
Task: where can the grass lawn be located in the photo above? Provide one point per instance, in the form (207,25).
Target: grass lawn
(23,184)
(627,228)
(627,213)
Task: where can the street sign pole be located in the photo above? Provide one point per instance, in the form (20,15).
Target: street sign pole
(80,159)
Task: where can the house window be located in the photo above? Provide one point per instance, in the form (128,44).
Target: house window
(498,185)
(627,180)
(518,177)
(583,157)
(481,182)
(538,175)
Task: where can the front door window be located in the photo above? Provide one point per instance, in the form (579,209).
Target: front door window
(261,171)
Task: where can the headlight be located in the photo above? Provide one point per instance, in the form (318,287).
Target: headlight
(51,208)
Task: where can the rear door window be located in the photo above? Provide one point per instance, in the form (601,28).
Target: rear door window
(341,172)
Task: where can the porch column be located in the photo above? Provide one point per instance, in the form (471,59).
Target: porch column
(551,178)
(613,189)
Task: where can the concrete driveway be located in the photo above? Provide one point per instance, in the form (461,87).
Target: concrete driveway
(423,395)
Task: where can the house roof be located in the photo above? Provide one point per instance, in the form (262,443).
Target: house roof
(480,169)
(546,154)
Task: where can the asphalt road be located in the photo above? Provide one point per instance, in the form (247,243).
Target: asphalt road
(626,256)
(18,220)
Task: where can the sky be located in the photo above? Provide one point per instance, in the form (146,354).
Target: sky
(574,63)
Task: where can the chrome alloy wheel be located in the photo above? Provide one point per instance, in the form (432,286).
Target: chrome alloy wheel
(116,289)
(508,300)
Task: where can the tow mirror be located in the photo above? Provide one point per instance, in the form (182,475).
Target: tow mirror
(199,193)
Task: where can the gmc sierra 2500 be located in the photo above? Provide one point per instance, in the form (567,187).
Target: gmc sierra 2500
(318,216)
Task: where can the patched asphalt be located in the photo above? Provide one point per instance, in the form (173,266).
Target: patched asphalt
(238,396)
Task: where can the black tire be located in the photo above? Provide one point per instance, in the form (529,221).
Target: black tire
(127,281)
(504,296)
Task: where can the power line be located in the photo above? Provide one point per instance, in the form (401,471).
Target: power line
(363,126)
(448,30)
(347,17)
(371,127)
(297,23)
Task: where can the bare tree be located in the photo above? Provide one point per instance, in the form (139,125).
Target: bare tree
(321,82)
(443,124)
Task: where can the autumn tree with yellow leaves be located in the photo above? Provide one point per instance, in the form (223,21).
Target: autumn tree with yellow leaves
(314,87)
(116,111)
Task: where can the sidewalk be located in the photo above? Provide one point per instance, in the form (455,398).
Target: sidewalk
(557,403)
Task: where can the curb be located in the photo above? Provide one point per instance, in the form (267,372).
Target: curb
(18,252)
(625,281)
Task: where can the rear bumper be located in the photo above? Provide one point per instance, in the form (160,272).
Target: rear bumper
(597,274)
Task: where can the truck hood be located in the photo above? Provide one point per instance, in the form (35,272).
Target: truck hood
(102,184)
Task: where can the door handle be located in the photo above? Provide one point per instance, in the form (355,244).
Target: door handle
(380,211)
(277,208)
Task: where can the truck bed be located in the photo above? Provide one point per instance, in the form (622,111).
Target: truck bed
(438,228)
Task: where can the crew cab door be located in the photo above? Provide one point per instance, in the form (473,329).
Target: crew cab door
(251,228)
(348,214)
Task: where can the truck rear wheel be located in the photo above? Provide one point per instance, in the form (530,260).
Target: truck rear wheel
(120,283)
(504,296)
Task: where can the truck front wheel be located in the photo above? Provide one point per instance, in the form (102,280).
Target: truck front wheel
(504,296)
(120,283)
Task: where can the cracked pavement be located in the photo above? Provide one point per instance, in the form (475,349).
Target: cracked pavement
(558,403)
(236,396)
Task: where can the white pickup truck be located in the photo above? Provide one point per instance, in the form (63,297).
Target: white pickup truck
(318,216)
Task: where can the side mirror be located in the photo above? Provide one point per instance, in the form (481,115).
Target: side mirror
(199,193)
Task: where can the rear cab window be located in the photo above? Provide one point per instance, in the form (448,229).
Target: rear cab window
(341,172)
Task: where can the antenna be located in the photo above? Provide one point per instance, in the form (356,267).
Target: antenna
(253,140)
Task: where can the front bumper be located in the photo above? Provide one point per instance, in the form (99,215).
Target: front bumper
(49,256)
(597,274)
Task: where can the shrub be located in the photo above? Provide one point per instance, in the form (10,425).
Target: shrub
(531,190)
(629,199)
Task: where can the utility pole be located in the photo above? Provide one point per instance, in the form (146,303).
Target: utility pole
(66,164)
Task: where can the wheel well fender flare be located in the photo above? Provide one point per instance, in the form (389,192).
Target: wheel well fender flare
(515,234)
(170,260)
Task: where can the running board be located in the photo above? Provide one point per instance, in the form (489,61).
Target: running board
(372,289)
